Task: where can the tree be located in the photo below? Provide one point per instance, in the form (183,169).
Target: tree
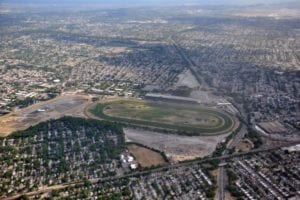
(23,197)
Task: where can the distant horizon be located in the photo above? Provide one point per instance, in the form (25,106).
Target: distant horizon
(150,2)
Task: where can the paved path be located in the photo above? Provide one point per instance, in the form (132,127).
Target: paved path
(160,169)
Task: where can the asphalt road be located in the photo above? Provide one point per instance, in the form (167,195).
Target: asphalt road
(222,177)
(160,169)
(236,139)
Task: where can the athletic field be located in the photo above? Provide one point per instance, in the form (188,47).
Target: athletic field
(181,117)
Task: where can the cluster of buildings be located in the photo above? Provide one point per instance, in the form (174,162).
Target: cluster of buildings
(59,152)
(252,60)
(113,88)
(268,175)
(251,66)
(128,161)
(96,56)
(170,98)
(20,84)
(181,183)
(153,65)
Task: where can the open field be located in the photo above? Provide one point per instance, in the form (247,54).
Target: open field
(146,157)
(72,105)
(176,147)
(186,118)
(244,145)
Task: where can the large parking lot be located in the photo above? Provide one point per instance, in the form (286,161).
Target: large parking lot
(72,105)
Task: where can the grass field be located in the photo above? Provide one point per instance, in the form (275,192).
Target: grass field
(146,157)
(182,117)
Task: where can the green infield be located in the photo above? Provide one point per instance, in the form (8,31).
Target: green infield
(192,119)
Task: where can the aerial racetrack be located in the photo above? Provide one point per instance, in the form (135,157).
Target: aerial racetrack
(190,119)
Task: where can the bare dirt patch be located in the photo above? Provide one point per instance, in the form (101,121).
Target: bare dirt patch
(176,147)
(187,79)
(117,50)
(68,105)
(8,124)
(228,196)
(146,157)
(244,145)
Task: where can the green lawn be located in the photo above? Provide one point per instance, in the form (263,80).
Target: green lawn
(191,119)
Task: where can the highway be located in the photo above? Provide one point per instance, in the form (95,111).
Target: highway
(221,176)
(222,158)
(236,139)
(190,63)
(225,156)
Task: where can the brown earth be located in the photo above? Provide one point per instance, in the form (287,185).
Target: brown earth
(66,105)
(228,196)
(176,147)
(146,157)
(244,145)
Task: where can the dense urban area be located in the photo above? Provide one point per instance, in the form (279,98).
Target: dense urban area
(179,102)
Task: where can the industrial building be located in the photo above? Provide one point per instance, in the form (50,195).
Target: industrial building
(171,98)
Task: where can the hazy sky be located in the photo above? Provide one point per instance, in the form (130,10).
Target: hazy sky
(156,2)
